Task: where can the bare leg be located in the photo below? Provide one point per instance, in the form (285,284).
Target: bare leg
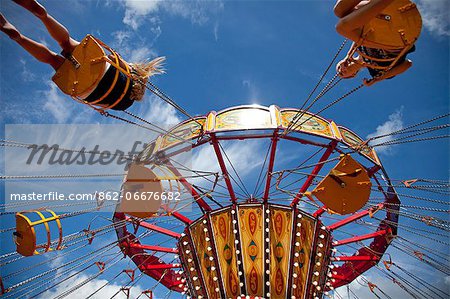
(37,50)
(345,7)
(56,29)
(361,16)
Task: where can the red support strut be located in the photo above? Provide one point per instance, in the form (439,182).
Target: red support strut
(153,248)
(314,173)
(159,266)
(271,164)
(354,217)
(198,199)
(223,167)
(360,238)
(155,228)
(355,258)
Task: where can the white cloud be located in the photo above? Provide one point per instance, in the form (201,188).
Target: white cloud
(158,112)
(216,31)
(253,91)
(57,104)
(436,16)
(394,123)
(27,75)
(83,292)
(141,54)
(133,48)
(245,155)
(137,12)
(121,37)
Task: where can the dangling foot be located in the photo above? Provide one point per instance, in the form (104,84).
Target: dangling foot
(8,28)
(33,6)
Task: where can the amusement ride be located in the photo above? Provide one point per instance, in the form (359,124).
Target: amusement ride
(308,231)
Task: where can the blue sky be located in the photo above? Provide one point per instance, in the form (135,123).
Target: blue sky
(222,54)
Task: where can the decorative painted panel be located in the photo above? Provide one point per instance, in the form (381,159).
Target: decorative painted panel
(226,251)
(303,243)
(354,141)
(243,118)
(201,239)
(280,245)
(185,131)
(307,123)
(251,232)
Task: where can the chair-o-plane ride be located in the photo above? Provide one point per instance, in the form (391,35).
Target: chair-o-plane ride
(235,244)
(253,246)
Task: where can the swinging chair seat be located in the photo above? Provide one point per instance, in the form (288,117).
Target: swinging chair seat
(141,192)
(346,188)
(397,27)
(91,76)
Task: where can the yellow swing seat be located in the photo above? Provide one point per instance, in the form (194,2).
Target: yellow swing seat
(346,188)
(397,27)
(81,73)
(25,234)
(142,192)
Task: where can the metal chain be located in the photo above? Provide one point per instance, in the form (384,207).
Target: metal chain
(411,126)
(165,132)
(419,133)
(410,131)
(296,117)
(410,141)
(414,207)
(107,114)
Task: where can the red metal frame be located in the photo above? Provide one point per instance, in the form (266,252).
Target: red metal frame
(271,164)
(353,267)
(314,173)
(353,217)
(153,248)
(319,211)
(355,258)
(198,199)
(153,227)
(223,167)
(141,258)
(361,238)
(180,217)
(303,141)
(160,266)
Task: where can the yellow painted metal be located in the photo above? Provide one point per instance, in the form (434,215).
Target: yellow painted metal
(25,234)
(141,192)
(397,27)
(335,130)
(80,80)
(280,231)
(346,188)
(84,79)
(225,241)
(251,227)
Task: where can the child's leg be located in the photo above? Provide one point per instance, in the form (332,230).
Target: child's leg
(345,7)
(361,16)
(37,50)
(56,29)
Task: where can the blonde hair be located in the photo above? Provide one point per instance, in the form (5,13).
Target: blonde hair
(141,72)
